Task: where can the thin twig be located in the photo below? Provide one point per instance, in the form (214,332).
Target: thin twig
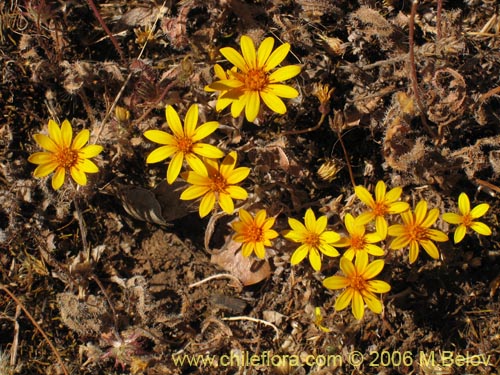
(37,326)
(438,19)
(311,129)
(413,69)
(233,318)
(347,161)
(218,276)
(105,28)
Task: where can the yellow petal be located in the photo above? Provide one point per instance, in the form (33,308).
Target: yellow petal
(90,151)
(381,227)
(374,250)
(277,57)
(174,122)
(350,223)
(260,218)
(463,204)
(414,250)
(420,211)
(161,153)
(81,139)
(260,250)
(228,163)
(247,249)
(235,58)
(161,137)
(42,158)
(394,194)
(299,254)
(46,143)
(336,282)
(253,106)
(398,207)
(372,302)
(264,51)
(431,218)
(344,299)
(310,220)
(283,91)
(207,204)
(358,305)
(174,167)
(191,120)
(58,178)
(245,217)
(399,242)
(436,235)
(66,133)
(273,102)
(297,226)
(193,192)
(329,237)
(78,175)
(347,267)
(452,218)
(238,105)
(373,269)
(321,224)
(248,51)
(238,175)
(479,210)
(328,250)
(315,259)
(380,190)
(459,233)
(430,248)
(378,286)
(55,133)
(45,169)
(204,130)
(237,192)
(364,196)
(284,73)
(195,178)
(226,203)
(481,228)
(88,166)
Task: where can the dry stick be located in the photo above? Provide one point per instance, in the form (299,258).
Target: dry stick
(438,18)
(413,68)
(105,28)
(346,157)
(37,326)
(311,129)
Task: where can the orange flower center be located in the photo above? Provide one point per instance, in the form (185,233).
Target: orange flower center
(218,184)
(256,80)
(467,220)
(254,234)
(312,239)
(380,209)
(416,232)
(185,145)
(67,158)
(358,282)
(358,242)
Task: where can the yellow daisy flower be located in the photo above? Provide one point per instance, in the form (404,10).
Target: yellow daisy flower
(383,205)
(253,81)
(64,154)
(358,242)
(415,232)
(216,183)
(314,239)
(466,218)
(359,288)
(184,143)
(254,233)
